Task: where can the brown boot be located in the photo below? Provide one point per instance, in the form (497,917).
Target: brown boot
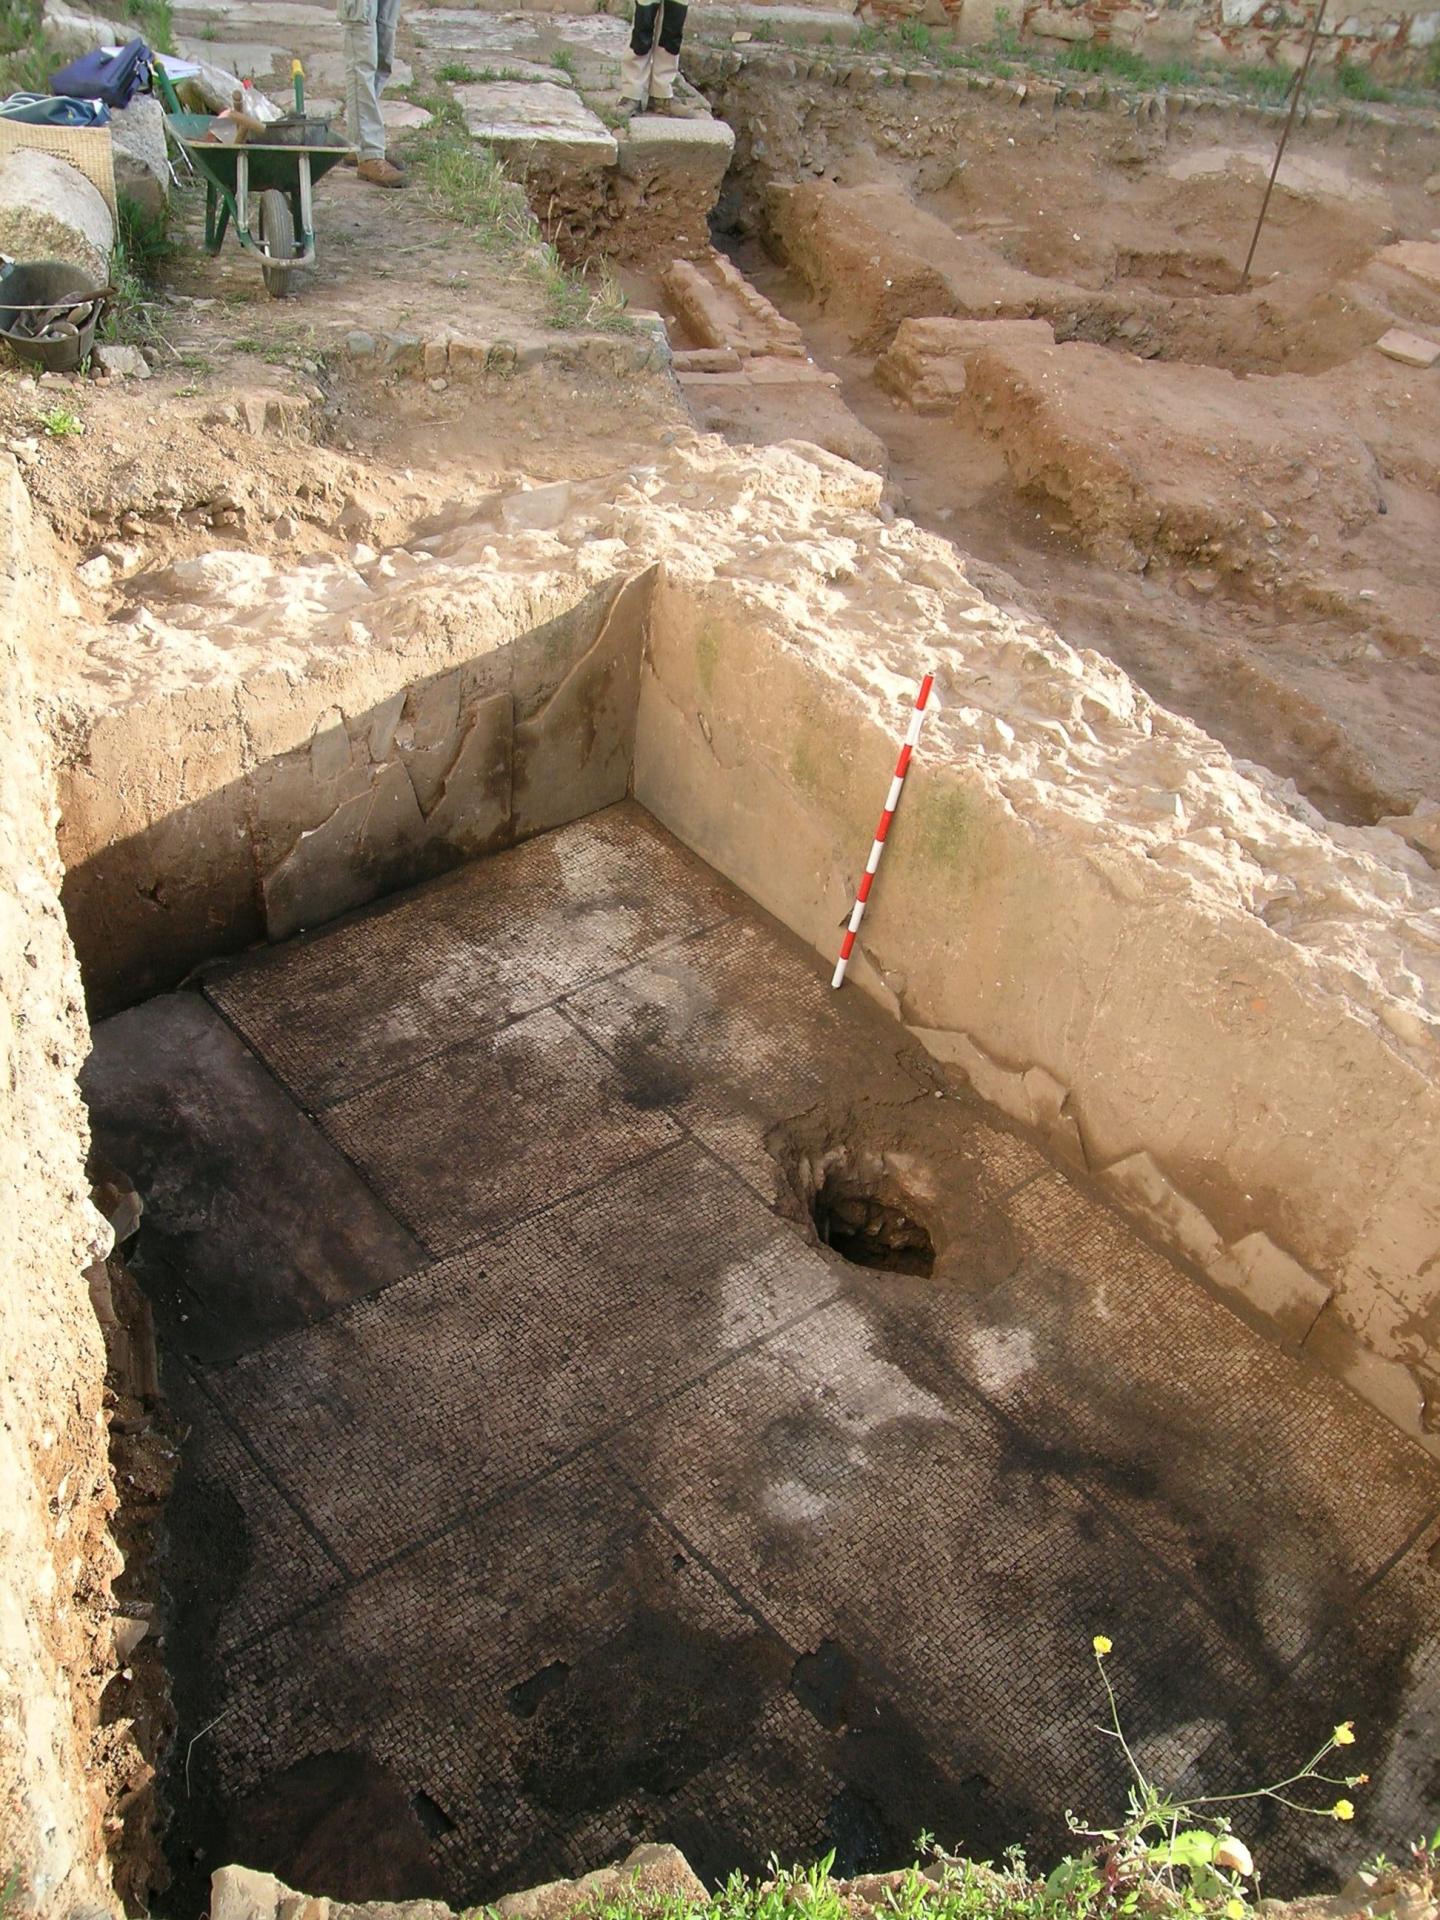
(380,173)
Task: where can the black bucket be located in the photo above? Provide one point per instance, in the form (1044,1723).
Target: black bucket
(32,289)
(298,130)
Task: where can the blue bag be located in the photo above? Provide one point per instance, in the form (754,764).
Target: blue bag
(53,110)
(115,78)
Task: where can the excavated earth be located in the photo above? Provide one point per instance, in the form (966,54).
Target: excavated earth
(1230,493)
(615,1388)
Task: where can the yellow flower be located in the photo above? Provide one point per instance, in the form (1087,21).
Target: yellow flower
(1344,1734)
(1234,1910)
(1342,1810)
(1101,1645)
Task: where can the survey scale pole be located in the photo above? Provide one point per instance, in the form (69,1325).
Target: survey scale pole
(924,700)
(1284,136)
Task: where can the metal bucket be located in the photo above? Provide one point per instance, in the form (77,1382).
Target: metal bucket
(33,288)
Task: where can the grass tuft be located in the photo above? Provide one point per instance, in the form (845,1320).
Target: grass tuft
(1358,83)
(464,180)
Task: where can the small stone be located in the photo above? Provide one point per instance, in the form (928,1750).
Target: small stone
(124,556)
(286,527)
(541,509)
(437,385)
(129,1632)
(95,573)
(121,363)
(1410,349)
(1203,580)
(239,1893)
(740,39)
(1432,185)
(360,345)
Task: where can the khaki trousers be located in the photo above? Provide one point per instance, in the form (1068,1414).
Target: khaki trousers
(651,65)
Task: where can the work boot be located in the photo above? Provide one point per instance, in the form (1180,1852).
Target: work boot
(380,173)
(352,159)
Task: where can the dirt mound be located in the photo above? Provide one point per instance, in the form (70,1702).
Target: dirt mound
(1149,458)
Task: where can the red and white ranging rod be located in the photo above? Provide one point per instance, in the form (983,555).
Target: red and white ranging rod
(867,879)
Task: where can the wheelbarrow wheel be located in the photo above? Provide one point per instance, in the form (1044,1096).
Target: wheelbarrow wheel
(277,232)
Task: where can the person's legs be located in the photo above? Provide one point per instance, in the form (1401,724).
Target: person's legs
(635,66)
(363,125)
(386,19)
(666,70)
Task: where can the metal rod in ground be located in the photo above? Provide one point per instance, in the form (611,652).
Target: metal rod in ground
(867,879)
(1299,88)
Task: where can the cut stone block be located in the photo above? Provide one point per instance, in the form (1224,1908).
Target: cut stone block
(1419,258)
(472,32)
(1152,1194)
(1273,1283)
(691,146)
(1410,349)
(534,120)
(400,116)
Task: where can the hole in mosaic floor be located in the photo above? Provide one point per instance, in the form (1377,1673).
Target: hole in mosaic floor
(864,1225)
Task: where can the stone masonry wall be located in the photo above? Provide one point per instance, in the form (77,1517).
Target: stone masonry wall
(1398,35)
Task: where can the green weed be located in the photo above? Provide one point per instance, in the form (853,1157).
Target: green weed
(28,55)
(1358,83)
(1006,41)
(143,247)
(1166,1859)
(455,73)
(62,423)
(464,180)
(565,61)
(915,37)
(1270,83)
(153,17)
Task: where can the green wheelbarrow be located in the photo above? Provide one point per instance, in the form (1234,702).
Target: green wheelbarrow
(261,189)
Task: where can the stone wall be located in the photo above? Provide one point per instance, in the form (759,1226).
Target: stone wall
(55,1492)
(1396,35)
(199,818)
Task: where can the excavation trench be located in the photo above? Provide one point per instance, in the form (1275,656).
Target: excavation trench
(1026,314)
(628,1389)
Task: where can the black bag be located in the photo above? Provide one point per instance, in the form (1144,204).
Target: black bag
(115,78)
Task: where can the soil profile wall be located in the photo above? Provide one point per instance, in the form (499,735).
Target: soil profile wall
(55,1492)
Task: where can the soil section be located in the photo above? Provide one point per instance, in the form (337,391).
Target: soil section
(1285,608)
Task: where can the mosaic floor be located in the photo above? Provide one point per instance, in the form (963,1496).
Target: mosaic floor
(548,1486)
